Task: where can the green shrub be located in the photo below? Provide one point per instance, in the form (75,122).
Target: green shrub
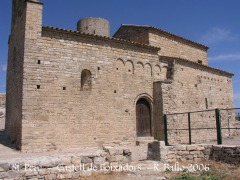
(204,175)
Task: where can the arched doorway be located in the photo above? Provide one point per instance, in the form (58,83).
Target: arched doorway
(143,115)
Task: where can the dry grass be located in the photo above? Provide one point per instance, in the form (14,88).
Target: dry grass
(217,171)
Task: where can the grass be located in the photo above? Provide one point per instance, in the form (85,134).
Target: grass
(202,176)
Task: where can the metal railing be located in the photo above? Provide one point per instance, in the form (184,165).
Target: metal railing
(213,122)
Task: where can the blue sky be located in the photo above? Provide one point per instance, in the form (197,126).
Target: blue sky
(214,23)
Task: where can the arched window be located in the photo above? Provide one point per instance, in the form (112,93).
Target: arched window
(157,72)
(140,68)
(86,80)
(129,67)
(148,70)
(119,65)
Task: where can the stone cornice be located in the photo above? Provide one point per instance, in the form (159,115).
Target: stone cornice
(205,67)
(173,36)
(60,30)
(34,1)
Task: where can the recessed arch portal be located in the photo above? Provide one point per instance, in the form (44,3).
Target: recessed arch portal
(143,118)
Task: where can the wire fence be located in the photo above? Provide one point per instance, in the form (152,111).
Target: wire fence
(201,126)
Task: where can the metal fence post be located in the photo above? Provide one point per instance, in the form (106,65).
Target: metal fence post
(189,128)
(218,126)
(165,130)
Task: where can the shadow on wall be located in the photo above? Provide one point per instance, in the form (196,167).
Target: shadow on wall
(5,141)
(154,151)
(227,154)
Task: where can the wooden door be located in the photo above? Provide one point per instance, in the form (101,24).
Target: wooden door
(143,114)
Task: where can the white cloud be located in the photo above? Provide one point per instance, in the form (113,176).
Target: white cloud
(216,35)
(225,57)
(4,67)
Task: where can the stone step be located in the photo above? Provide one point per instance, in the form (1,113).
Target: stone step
(144,141)
(145,148)
(145,138)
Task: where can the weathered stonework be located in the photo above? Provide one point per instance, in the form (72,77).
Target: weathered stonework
(198,153)
(171,45)
(68,166)
(2,111)
(195,88)
(113,159)
(69,88)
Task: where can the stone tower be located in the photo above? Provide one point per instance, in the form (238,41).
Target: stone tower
(26,26)
(94,25)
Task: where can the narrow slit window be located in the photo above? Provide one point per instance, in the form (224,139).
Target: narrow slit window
(206,103)
(199,61)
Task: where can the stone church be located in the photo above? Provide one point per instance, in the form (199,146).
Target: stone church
(83,88)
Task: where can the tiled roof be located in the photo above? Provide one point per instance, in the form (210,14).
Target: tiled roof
(50,28)
(167,33)
(197,64)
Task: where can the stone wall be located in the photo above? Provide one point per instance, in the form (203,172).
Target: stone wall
(193,83)
(197,153)
(108,109)
(193,87)
(112,159)
(13,124)
(133,34)
(228,154)
(173,47)
(57,112)
(68,166)
(2,111)
(170,44)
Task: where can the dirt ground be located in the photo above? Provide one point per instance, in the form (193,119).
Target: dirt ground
(216,171)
